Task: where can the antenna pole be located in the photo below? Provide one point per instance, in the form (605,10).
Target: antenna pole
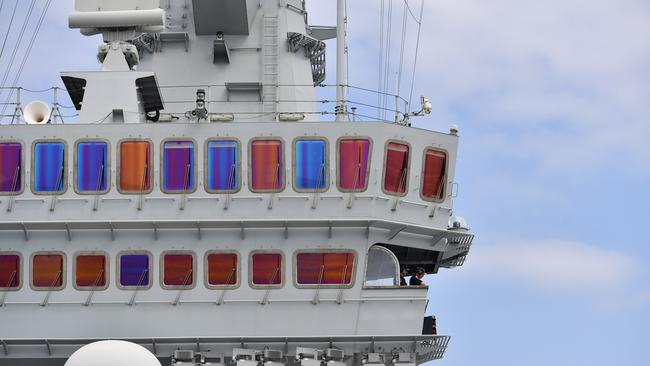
(341,62)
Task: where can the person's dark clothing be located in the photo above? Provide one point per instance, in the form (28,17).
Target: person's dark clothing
(402,281)
(414,281)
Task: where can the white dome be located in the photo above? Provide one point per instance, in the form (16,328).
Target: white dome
(112,353)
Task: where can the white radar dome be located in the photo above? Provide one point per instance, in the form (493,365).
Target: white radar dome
(112,353)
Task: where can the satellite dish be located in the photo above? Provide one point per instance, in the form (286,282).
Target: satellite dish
(37,113)
(112,353)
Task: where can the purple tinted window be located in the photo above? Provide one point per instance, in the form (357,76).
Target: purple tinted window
(134,270)
(10,166)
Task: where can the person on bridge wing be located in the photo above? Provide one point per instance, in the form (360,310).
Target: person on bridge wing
(416,280)
(402,273)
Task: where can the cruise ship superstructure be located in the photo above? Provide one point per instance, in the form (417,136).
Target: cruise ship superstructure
(200,209)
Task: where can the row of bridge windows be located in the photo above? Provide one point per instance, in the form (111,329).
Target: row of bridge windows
(134,269)
(222,159)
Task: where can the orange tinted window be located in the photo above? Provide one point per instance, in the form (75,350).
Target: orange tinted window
(266,165)
(433,177)
(396,169)
(267,268)
(90,271)
(324,268)
(135,166)
(222,269)
(178,269)
(9,270)
(47,270)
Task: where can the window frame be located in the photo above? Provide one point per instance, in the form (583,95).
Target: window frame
(250,165)
(118,269)
(108,166)
(338,163)
(66,175)
(206,273)
(107,270)
(21,270)
(445,183)
(408,168)
(330,286)
(162,165)
(64,270)
(162,270)
(282,269)
(151,165)
(23,166)
(327,163)
(205,166)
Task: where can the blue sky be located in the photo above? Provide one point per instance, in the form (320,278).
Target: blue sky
(553,103)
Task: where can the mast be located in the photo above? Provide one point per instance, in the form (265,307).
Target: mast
(341,62)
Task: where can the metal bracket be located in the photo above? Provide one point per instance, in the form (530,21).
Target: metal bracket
(67,230)
(286,230)
(242,234)
(112,228)
(25,232)
(393,233)
(49,347)
(153,345)
(329,230)
(155,231)
(199,234)
(368,230)
(4,347)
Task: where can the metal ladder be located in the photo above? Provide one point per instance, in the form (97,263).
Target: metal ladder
(270,51)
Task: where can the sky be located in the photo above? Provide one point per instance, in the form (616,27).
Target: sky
(552,100)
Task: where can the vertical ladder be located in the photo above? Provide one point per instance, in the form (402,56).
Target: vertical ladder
(270,49)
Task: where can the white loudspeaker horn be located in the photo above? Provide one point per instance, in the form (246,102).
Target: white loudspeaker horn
(37,113)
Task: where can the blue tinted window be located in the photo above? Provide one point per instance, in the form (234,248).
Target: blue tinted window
(134,270)
(178,166)
(311,164)
(222,165)
(49,167)
(92,166)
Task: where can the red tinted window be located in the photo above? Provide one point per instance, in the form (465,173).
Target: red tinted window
(47,270)
(324,268)
(433,177)
(396,169)
(353,164)
(222,269)
(178,269)
(9,270)
(90,271)
(267,268)
(266,165)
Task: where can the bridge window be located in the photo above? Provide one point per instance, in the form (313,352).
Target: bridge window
(382,268)
(396,165)
(135,167)
(324,268)
(179,167)
(178,270)
(222,166)
(267,168)
(48,271)
(266,269)
(92,167)
(353,164)
(10,271)
(11,162)
(434,175)
(49,166)
(221,269)
(134,270)
(311,165)
(91,271)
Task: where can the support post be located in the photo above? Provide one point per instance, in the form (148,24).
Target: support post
(341,62)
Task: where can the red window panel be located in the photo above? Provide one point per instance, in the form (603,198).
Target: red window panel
(9,270)
(178,269)
(267,268)
(353,164)
(90,271)
(396,169)
(433,177)
(266,165)
(222,269)
(47,270)
(336,268)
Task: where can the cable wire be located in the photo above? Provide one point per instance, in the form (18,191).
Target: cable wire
(417,48)
(11,22)
(401,53)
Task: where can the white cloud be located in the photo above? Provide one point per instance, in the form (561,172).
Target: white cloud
(553,265)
